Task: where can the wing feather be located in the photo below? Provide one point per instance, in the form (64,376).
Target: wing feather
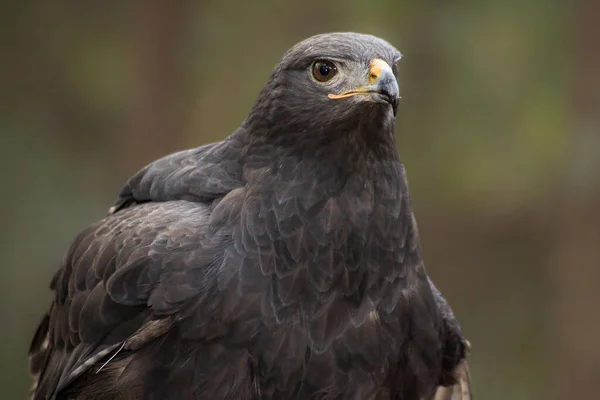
(201,174)
(121,277)
(461,390)
(113,269)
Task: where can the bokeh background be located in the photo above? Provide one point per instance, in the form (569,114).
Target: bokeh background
(499,129)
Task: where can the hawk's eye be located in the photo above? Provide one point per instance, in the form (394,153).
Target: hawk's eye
(324,70)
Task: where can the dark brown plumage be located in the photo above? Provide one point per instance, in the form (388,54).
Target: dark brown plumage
(281,263)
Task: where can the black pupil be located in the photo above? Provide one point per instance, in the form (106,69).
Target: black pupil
(324,69)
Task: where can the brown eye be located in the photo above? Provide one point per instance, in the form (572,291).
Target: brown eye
(324,70)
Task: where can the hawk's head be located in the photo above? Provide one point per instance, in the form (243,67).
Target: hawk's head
(328,83)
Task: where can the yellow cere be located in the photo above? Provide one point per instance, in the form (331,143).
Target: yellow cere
(375,69)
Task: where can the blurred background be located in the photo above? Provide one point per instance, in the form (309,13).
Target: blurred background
(499,129)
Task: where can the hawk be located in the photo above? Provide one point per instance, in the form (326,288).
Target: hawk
(283,262)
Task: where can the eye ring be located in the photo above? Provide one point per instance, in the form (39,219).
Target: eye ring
(324,70)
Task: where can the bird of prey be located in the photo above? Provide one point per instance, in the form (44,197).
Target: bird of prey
(281,263)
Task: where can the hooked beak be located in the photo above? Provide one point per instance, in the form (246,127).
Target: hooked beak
(382,87)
